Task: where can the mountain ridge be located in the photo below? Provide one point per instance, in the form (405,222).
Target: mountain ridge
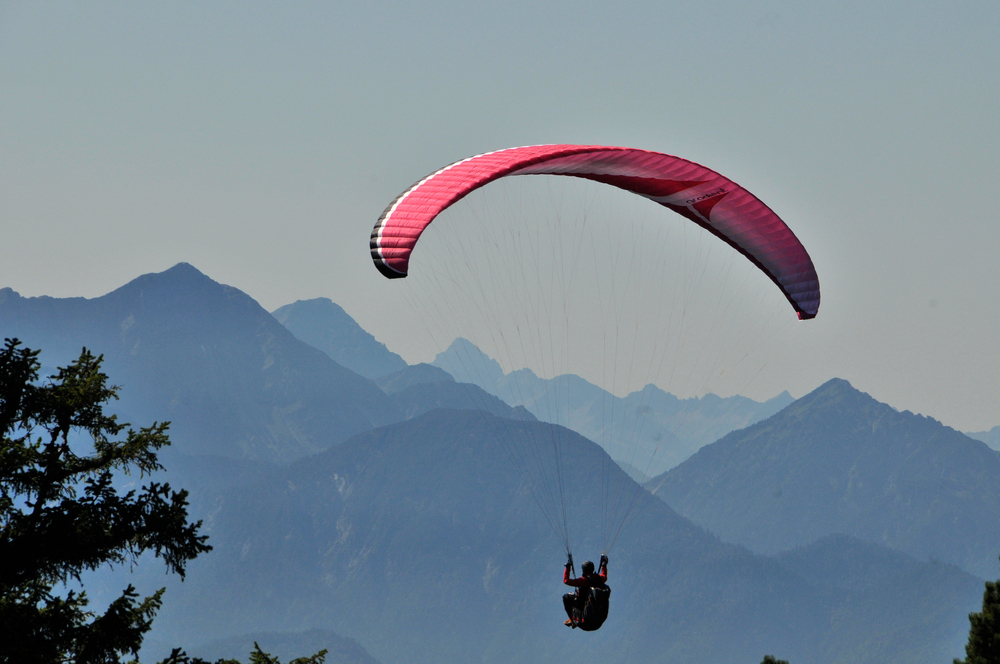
(325,325)
(991,437)
(208,358)
(838,461)
(650,430)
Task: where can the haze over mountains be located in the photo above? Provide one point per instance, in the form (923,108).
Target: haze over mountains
(386,512)
(656,428)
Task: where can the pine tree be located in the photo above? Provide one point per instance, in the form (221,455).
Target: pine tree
(60,514)
(984,632)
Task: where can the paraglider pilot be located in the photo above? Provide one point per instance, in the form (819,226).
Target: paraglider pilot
(587,608)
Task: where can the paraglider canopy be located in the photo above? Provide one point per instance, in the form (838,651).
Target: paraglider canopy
(607,294)
(707,198)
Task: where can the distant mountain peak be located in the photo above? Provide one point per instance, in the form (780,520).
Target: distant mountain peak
(183,268)
(834,394)
(325,325)
(182,272)
(784,397)
(468,364)
(832,389)
(463,345)
(181,284)
(316,305)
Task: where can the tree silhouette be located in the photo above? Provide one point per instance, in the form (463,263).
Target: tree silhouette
(984,631)
(60,514)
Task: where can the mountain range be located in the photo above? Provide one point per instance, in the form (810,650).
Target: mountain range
(422,542)
(229,377)
(649,429)
(838,461)
(646,432)
(390,513)
(991,437)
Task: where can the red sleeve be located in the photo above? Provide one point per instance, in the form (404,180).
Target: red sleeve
(576,583)
(604,573)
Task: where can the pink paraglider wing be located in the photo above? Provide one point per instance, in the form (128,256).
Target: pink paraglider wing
(700,194)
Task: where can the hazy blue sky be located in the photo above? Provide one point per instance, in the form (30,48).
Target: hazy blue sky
(260,142)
